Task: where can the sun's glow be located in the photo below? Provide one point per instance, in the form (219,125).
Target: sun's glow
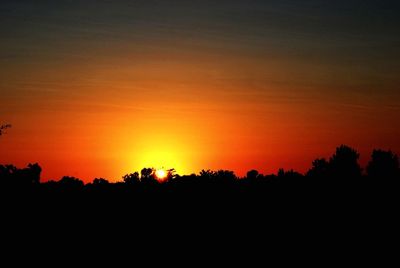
(161,174)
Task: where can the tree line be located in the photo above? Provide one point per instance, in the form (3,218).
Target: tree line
(341,168)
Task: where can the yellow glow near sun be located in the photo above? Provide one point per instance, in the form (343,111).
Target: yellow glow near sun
(158,155)
(155,149)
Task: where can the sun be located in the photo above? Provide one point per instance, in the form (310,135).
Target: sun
(161,174)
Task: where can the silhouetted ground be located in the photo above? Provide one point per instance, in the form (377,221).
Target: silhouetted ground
(332,212)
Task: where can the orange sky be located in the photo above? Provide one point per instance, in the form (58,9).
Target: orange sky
(97,120)
(92,104)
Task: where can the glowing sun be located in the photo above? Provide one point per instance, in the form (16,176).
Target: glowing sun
(161,174)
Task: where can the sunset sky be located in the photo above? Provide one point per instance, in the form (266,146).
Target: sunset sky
(104,88)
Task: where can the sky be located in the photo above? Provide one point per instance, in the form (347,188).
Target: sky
(105,88)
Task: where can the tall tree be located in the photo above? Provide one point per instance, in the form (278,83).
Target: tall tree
(344,163)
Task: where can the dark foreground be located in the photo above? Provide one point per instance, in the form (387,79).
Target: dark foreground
(239,200)
(334,214)
(218,224)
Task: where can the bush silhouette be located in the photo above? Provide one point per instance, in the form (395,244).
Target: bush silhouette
(70,183)
(252,175)
(100,182)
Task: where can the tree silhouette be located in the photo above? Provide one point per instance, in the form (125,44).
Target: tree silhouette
(34,171)
(207,175)
(7,172)
(225,176)
(289,177)
(344,163)
(13,176)
(319,169)
(383,164)
(171,174)
(281,173)
(147,175)
(132,178)
(252,175)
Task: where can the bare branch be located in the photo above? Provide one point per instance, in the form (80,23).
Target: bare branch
(3,128)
